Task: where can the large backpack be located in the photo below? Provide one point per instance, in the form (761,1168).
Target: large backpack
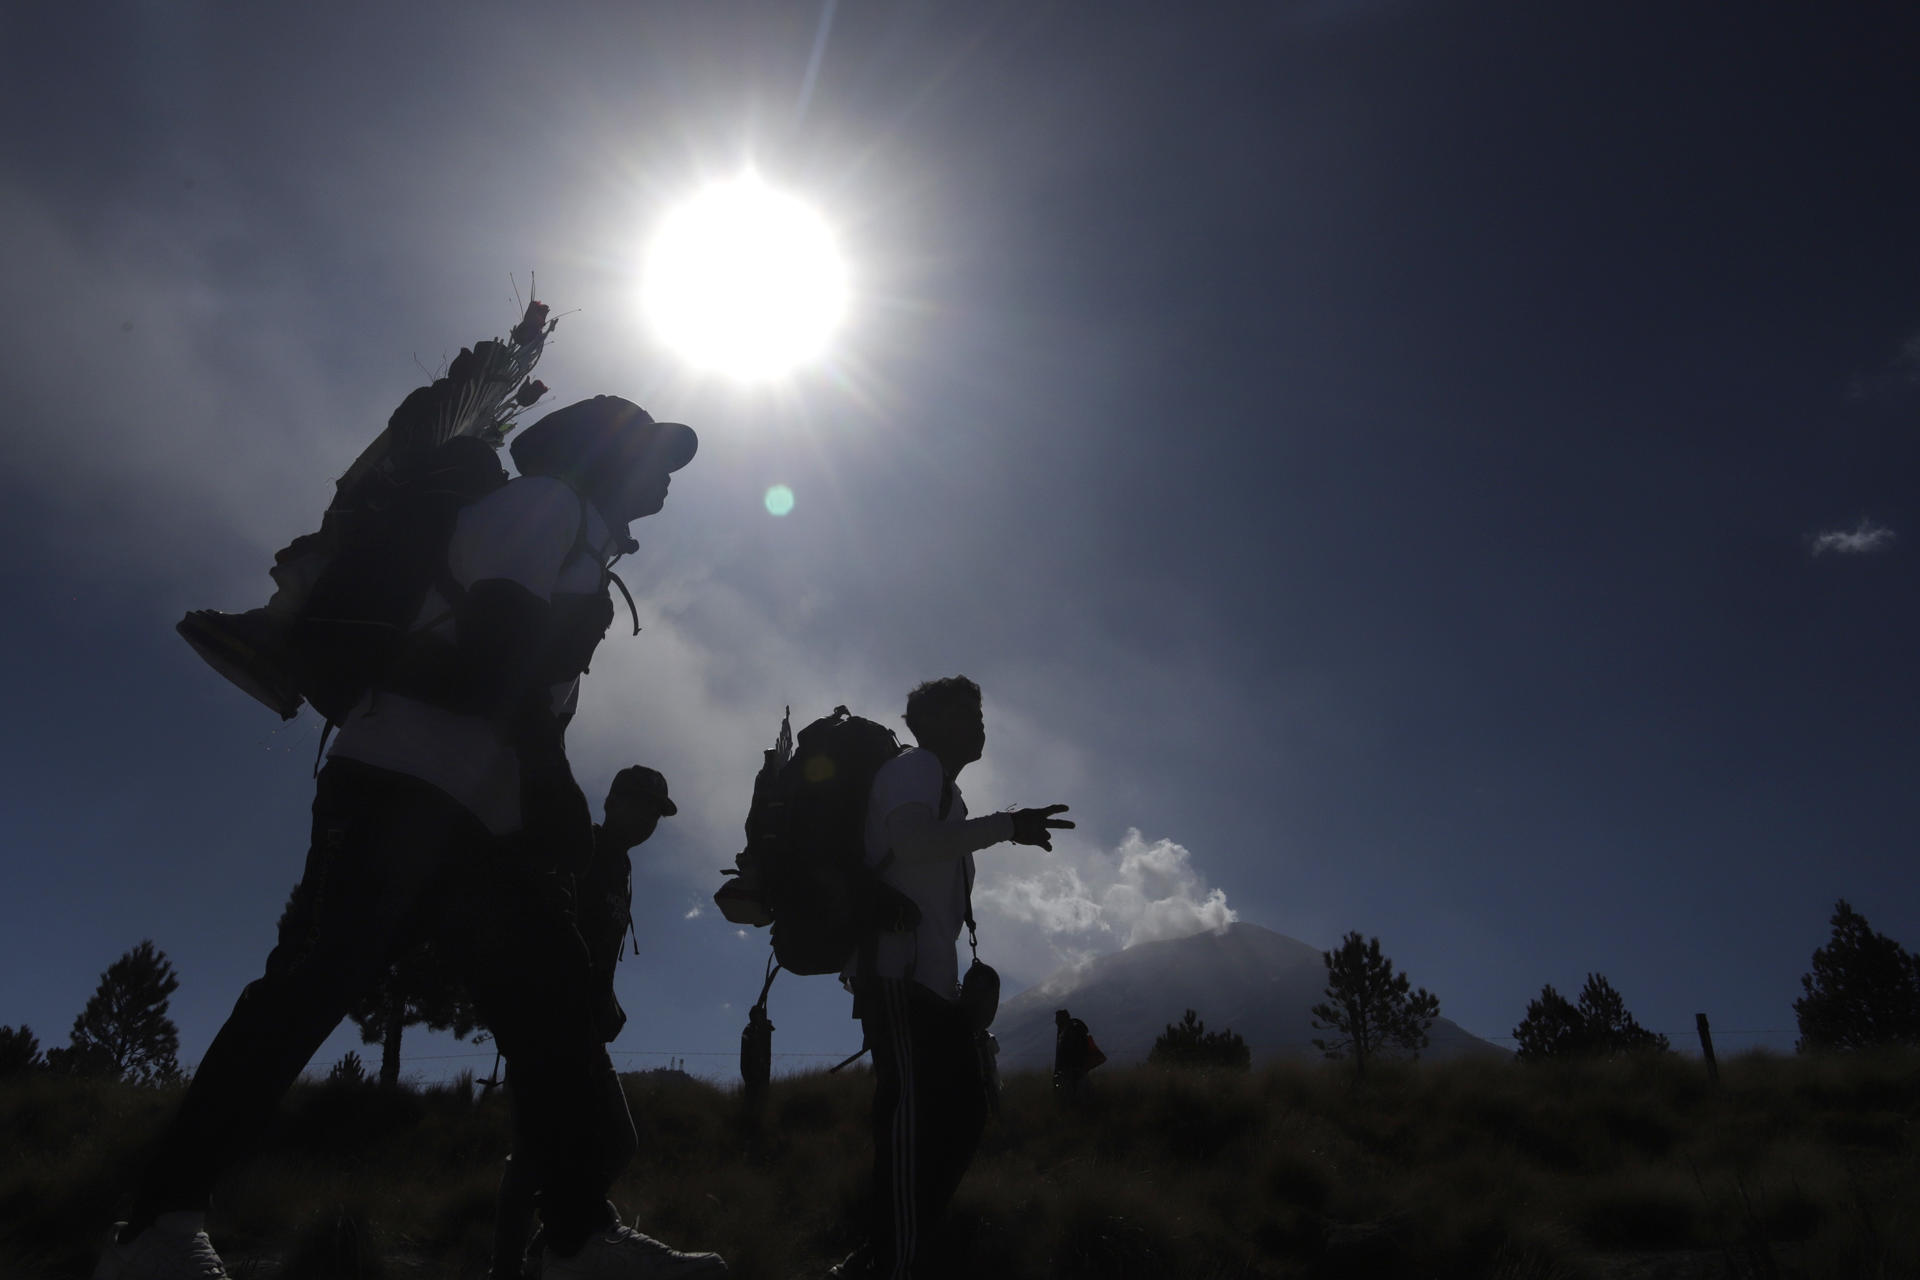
(388,551)
(804,869)
(346,594)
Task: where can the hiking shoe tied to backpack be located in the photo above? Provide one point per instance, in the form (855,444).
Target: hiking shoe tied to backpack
(250,649)
(175,1247)
(621,1253)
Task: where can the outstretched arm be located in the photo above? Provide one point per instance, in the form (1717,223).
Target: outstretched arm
(915,835)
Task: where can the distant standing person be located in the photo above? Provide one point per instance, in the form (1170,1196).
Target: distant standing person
(929,1096)
(419,831)
(602,903)
(1073,1053)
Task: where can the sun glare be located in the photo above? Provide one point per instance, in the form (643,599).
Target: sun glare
(745,280)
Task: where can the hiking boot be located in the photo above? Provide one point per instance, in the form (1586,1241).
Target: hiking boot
(250,650)
(621,1253)
(175,1247)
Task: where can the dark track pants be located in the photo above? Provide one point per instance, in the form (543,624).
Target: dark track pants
(928,1110)
(394,862)
(531,1164)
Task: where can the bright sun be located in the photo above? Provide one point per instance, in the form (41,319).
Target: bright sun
(745,280)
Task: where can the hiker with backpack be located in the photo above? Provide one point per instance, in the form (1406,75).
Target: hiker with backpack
(443,812)
(602,898)
(930,1097)
(1074,1055)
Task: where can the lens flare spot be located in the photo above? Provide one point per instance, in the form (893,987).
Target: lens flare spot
(779,500)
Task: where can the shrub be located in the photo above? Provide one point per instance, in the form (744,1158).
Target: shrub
(348,1073)
(1188,1043)
(19,1051)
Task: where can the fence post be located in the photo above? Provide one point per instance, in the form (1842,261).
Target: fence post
(1706,1047)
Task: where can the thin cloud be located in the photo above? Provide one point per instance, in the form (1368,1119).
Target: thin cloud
(1864,538)
(1895,380)
(1907,362)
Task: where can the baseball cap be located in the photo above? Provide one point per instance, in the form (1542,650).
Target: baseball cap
(606,434)
(643,783)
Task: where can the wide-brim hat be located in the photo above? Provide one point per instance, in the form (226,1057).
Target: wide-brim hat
(600,437)
(645,784)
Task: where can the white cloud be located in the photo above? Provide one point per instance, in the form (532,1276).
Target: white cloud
(693,912)
(1063,909)
(1863,539)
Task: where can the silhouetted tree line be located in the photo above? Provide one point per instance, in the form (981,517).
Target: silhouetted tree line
(123,1033)
(1863,993)
(1599,1026)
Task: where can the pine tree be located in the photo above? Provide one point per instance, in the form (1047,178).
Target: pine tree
(1552,1028)
(1599,1026)
(124,1031)
(1611,1030)
(19,1051)
(418,989)
(1188,1043)
(1863,993)
(1369,1005)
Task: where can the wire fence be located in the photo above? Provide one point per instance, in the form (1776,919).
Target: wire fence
(1676,1037)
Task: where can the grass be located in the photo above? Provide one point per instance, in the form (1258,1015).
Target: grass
(1790,1167)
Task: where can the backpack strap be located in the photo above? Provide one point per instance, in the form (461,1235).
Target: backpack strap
(973,930)
(581,545)
(320,752)
(614,578)
(773,970)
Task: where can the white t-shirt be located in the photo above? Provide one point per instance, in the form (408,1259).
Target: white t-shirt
(529,532)
(932,863)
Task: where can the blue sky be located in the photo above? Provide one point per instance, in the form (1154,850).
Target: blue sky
(1381,460)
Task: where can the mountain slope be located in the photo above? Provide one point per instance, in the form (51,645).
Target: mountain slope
(1252,980)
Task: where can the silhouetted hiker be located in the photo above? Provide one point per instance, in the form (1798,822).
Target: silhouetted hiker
(603,910)
(929,1096)
(1074,1054)
(444,806)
